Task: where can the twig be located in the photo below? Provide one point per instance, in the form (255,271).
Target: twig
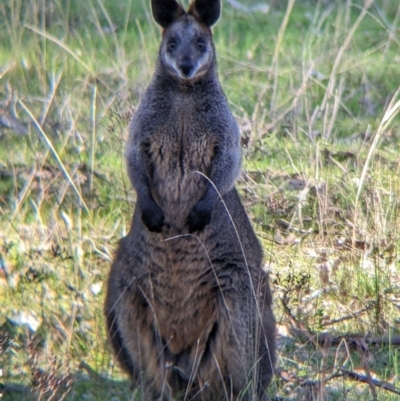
(364,379)
(346,317)
(299,330)
(362,349)
(384,340)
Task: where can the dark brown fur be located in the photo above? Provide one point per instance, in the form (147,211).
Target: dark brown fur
(188,306)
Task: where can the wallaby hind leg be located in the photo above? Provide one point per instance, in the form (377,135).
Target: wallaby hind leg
(266,352)
(112,307)
(155,389)
(116,340)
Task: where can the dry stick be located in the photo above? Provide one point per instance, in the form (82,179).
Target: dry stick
(324,367)
(24,192)
(54,86)
(54,152)
(297,327)
(93,123)
(279,39)
(73,122)
(362,349)
(55,83)
(295,100)
(391,112)
(384,340)
(319,109)
(346,317)
(335,109)
(343,373)
(326,340)
(300,331)
(377,383)
(332,79)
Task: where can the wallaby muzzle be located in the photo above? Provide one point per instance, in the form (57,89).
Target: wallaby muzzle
(186,66)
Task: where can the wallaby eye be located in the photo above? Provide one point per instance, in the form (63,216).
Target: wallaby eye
(201,44)
(171,45)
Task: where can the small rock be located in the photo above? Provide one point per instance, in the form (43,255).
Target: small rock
(27,318)
(95,288)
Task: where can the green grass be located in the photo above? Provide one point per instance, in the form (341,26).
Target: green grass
(310,87)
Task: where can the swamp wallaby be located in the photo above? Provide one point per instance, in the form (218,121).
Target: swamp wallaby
(188,306)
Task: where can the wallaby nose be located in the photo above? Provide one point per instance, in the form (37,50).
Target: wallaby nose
(186,66)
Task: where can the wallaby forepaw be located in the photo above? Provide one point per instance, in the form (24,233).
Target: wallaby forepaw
(198,217)
(153,218)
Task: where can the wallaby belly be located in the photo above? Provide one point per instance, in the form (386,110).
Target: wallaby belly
(182,290)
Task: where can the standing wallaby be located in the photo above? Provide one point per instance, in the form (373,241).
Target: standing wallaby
(188,306)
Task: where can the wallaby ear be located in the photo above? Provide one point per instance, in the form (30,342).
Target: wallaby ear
(166,11)
(206,11)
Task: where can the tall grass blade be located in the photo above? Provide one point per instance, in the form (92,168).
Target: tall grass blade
(54,153)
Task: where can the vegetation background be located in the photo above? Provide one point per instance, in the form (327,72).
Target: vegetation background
(315,88)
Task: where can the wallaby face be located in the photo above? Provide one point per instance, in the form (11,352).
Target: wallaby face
(186,50)
(188,306)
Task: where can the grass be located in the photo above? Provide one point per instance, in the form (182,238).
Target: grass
(314,87)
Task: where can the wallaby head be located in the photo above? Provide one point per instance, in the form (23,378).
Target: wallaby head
(186,50)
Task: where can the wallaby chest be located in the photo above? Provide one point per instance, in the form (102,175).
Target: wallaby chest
(181,151)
